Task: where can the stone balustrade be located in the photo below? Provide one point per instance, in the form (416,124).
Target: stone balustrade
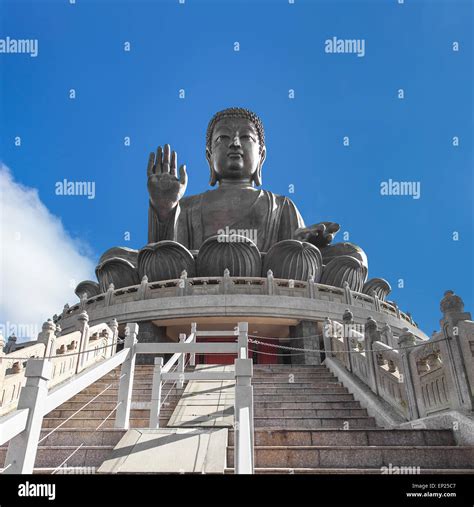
(206,286)
(417,378)
(69,354)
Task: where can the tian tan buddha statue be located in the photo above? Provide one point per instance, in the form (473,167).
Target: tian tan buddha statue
(236,226)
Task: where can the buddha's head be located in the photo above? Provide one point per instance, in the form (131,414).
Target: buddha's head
(235,146)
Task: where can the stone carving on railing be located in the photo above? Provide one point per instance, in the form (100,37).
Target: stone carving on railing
(95,343)
(417,378)
(197,286)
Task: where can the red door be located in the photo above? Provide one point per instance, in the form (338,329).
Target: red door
(264,358)
(216,358)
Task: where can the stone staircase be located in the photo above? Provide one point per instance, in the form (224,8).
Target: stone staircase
(90,427)
(307,422)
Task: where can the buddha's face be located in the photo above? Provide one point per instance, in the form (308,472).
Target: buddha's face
(235,153)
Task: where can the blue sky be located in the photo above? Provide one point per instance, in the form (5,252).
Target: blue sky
(191,47)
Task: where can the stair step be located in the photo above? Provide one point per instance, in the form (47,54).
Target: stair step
(73,436)
(306,398)
(342,423)
(290,377)
(352,437)
(295,386)
(53,456)
(360,456)
(284,405)
(112,398)
(93,422)
(303,391)
(310,413)
(134,413)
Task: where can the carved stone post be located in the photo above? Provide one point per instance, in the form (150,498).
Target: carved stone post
(327,337)
(143,289)
(452,351)
(11,344)
(22,449)
(311,288)
(113,324)
(386,335)
(376,300)
(348,323)
(192,359)
(122,417)
(83,327)
(270,283)
(243,340)
(156,394)
(347,294)
(48,337)
(109,295)
(407,339)
(371,335)
(82,301)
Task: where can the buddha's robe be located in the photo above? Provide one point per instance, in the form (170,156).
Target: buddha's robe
(273,217)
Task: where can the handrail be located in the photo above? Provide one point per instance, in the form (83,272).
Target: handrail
(416,378)
(71,387)
(12,424)
(23,427)
(174,358)
(242,374)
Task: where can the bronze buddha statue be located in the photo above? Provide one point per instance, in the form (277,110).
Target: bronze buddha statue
(236,226)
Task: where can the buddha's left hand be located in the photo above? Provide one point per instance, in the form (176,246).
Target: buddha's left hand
(319,235)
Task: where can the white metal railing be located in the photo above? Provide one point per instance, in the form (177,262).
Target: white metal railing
(242,374)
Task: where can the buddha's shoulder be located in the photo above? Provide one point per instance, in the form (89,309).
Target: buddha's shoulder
(281,200)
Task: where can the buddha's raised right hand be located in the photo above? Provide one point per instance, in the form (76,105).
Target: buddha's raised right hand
(164,187)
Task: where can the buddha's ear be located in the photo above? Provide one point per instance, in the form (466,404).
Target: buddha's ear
(213,176)
(257,176)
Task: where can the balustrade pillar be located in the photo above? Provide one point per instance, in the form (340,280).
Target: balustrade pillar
(22,449)
(407,339)
(371,335)
(122,417)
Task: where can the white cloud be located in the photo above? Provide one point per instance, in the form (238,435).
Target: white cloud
(40,264)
